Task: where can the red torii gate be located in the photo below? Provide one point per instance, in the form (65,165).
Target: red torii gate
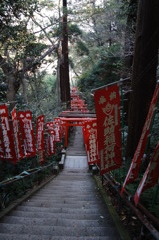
(68,122)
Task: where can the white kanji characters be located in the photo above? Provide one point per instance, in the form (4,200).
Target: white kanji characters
(102,100)
(112,96)
(108,121)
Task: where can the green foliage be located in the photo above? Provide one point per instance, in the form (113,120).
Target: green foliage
(57,31)
(34,49)
(105,71)
(13,9)
(41,95)
(18,185)
(81,48)
(12,17)
(73,30)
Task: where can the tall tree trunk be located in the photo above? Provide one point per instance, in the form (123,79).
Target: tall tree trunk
(24,87)
(64,65)
(144,70)
(130,35)
(58,80)
(11,90)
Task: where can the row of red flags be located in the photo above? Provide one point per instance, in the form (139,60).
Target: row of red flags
(102,137)
(77,104)
(103,140)
(17,139)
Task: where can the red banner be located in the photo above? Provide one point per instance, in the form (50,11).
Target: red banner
(151,175)
(51,143)
(50,138)
(107,103)
(136,161)
(58,130)
(50,126)
(40,132)
(40,137)
(57,133)
(7,133)
(90,139)
(25,121)
(18,143)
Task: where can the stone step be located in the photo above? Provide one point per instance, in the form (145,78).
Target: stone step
(75,181)
(73,173)
(67,189)
(4,236)
(65,184)
(43,210)
(65,201)
(61,205)
(72,185)
(83,196)
(65,198)
(74,231)
(85,215)
(71,193)
(65,222)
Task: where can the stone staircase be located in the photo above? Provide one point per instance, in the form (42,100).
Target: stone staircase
(68,208)
(76,145)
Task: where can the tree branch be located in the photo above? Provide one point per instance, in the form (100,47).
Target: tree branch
(38,60)
(43,29)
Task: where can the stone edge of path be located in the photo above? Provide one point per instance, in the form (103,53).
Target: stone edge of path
(120,228)
(17,202)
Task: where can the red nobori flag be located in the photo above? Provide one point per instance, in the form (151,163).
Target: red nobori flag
(18,144)
(57,128)
(50,138)
(107,103)
(90,136)
(51,143)
(25,121)
(136,161)
(40,138)
(57,133)
(8,140)
(50,126)
(40,132)
(151,175)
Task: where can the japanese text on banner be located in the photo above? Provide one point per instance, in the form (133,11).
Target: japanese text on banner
(50,138)
(8,140)
(40,138)
(40,132)
(18,143)
(107,103)
(90,136)
(25,120)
